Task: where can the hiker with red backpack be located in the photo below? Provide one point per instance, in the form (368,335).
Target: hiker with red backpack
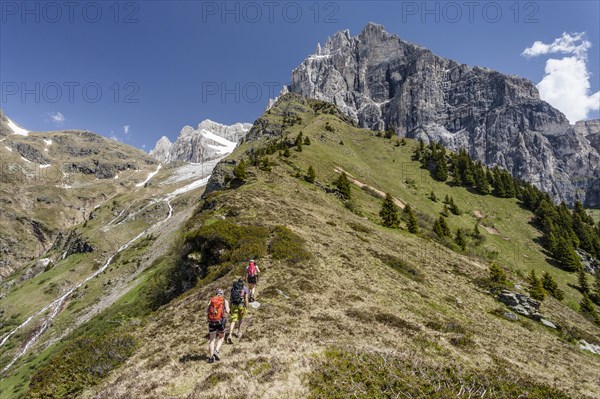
(239,305)
(218,306)
(252,272)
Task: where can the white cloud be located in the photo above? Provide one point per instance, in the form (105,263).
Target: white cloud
(566,84)
(57,118)
(572,43)
(126,129)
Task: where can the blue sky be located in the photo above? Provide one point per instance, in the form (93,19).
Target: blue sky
(140,70)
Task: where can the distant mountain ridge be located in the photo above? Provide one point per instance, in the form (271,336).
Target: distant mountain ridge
(383,82)
(210,140)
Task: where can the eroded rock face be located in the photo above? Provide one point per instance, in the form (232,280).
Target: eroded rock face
(383,82)
(210,140)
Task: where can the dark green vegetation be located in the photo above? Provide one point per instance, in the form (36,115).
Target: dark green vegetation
(339,373)
(84,362)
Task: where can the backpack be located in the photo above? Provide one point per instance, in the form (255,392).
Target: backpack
(215,309)
(251,269)
(236,293)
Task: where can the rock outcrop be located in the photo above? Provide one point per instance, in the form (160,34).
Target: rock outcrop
(210,140)
(383,82)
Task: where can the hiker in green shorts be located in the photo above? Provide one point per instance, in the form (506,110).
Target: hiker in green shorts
(239,304)
(218,306)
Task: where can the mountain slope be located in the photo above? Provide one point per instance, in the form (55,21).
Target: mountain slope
(343,296)
(52,181)
(210,140)
(383,82)
(77,292)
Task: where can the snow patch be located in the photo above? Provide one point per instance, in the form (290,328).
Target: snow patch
(48,141)
(17,129)
(226,146)
(44,166)
(8,148)
(189,187)
(26,160)
(150,176)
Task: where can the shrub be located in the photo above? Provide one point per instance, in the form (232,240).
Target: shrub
(239,172)
(402,266)
(310,175)
(288,246)
(342,373)
(83,362)
(498,276)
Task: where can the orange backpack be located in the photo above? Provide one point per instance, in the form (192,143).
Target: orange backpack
(215,309)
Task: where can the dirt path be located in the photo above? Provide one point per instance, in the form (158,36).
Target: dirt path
(491,230)
(401,204)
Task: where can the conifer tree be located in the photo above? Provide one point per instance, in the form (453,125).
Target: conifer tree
(551,286)
(433,197)
(390,216)
(536,289)
(307,140)
(440,227)
(299,146)
(286,152)
(498,183)
(584,286)
(477,234)
(453,207)
(565,254)
(239,172)
(343,185)
(411,220)
(445,212)
(460,240)
(440,171)
(586,305)
(310,175)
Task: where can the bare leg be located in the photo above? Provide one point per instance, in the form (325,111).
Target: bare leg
(251,288)
(220,341)
(211,344)
(240,328)
(231,329)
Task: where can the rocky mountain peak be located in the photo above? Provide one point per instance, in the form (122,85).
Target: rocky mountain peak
(383,82)
(209,140)
(162,148)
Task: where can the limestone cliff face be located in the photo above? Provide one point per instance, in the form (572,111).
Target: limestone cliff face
(210,140)
(383,82)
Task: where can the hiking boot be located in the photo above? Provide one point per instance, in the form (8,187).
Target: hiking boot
(229,341)
(211,359)
(216,356)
